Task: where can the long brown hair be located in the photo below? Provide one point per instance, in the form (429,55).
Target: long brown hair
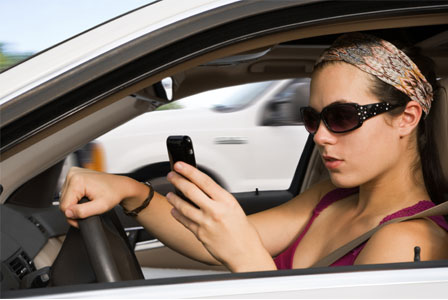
(426,133)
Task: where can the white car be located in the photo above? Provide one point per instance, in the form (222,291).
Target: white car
(67,96)
(246,137)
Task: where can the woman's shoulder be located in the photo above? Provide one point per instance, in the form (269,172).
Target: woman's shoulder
(320,189)
(305,202)
(396,242)
(326,191)
(315,198)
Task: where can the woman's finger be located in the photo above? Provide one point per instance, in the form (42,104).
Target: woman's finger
(91,208)
(70,194)
(184,208)
(189,224)
(82,211)
(73,223)
(189,189)
(202,180)
(74,187)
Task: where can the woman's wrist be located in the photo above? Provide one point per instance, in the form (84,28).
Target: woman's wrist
(134,212)
(138,193)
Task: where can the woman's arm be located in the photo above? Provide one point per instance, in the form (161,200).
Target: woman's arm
(218,233)
(106,191)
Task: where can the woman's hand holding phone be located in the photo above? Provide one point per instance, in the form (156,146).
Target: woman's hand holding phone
(219,222)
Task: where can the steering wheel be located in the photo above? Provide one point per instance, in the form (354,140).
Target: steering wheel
(99,251)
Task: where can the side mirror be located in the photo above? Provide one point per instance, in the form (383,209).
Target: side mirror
(284,109)
(164,89)
(159,93)
(280,112)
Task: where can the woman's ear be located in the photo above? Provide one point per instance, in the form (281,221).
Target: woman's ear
(410,118)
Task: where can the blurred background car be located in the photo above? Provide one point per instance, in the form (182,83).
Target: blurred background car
(246,137)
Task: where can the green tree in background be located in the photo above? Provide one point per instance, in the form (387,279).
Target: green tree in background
(8,59)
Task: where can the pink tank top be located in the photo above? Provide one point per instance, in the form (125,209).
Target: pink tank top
(285,259)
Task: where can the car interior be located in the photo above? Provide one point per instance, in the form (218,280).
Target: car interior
(38,246)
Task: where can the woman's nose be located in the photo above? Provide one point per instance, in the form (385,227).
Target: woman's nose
(323,135)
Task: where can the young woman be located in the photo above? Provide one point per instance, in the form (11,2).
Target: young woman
(370,116)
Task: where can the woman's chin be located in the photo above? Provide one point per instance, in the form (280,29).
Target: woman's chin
(343,181)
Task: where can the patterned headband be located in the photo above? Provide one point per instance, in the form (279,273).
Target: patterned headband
(383,60)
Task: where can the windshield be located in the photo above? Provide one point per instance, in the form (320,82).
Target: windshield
(223,100)
(28,26)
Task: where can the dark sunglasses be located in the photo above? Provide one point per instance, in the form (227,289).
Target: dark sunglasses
(342,117)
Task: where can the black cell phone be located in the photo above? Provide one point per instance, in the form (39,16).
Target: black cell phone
(180,148)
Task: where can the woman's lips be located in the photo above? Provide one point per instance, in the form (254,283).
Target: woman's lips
(331,163)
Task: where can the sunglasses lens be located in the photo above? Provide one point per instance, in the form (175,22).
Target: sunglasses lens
(310,119)
(341,118)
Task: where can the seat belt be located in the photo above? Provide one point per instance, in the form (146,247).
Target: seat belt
(438,210)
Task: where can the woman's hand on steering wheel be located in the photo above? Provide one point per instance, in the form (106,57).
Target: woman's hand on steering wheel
(104,191)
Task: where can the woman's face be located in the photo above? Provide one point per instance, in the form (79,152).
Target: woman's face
(361,155)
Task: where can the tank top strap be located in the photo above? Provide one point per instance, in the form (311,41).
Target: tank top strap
(414,209)
(333,196)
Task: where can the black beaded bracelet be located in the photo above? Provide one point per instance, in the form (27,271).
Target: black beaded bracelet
(134,212)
